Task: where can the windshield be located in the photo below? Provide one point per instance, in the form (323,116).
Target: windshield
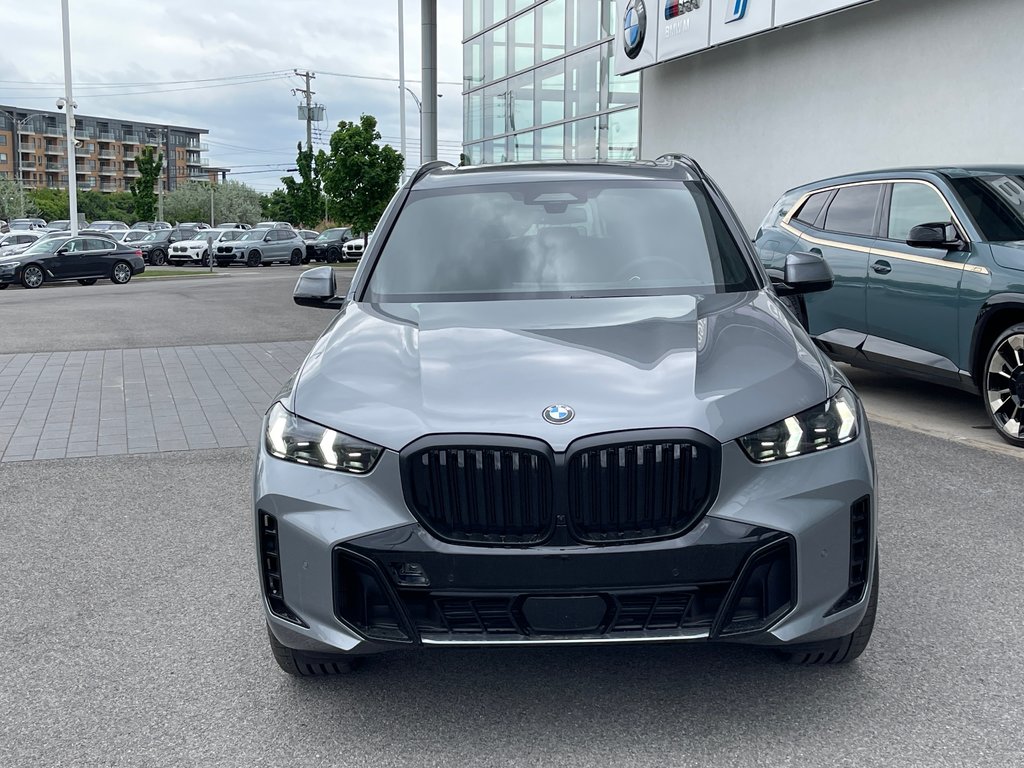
(332,234)
(45,246)
(996,203)
(131,237)
(161,235)
(253,234)
(559,240)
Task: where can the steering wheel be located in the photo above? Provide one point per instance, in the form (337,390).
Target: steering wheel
(655,267)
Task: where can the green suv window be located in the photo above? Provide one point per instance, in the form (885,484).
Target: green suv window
(913,205)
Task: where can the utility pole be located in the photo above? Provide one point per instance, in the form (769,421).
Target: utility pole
(307,76)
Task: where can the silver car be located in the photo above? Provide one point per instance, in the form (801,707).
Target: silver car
(260,247)
(563,404)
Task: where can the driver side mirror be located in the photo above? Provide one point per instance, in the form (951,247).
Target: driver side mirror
(935,235)
(317,288)
(805,273)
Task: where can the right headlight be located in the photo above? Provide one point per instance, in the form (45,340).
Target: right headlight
(824,426)
(292,438)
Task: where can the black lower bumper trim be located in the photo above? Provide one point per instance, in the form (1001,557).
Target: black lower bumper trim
(725,578)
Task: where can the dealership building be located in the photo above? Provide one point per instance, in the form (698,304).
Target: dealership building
(765,94)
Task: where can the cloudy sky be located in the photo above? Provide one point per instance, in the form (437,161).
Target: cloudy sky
(226,65)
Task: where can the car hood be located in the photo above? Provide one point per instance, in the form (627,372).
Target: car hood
(725,364)
(1009,255)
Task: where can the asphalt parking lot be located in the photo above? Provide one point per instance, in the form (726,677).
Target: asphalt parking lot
(133,632)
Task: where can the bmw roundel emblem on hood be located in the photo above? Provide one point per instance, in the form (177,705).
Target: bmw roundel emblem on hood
(634,28)
(558,414)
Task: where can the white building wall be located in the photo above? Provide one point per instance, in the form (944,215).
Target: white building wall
(892,83)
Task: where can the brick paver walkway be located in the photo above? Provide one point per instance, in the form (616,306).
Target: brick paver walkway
(118,401)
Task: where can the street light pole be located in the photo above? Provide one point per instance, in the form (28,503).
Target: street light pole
(401,77)
(419,108)
(69,105)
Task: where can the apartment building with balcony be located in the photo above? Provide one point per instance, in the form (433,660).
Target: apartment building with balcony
(33,150)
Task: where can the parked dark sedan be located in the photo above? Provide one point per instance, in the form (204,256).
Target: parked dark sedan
(327,247)
(85,259)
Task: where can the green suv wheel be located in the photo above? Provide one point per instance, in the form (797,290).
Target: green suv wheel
(1003,387)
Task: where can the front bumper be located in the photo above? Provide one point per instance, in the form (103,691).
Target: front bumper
(769,564)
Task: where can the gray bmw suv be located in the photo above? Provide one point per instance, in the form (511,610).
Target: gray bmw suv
(563,404)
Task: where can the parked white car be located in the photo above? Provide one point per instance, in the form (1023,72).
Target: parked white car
(17,241)
(196,250)
(353,249)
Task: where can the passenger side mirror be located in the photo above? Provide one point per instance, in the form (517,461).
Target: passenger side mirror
(61,251)
(805,273)
(266,238)
(935,235)
(317,288)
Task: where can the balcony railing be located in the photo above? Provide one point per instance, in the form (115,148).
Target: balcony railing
(54,149)
(130,138)
(26,129)
(108,187)
(26,166)
(108,170)
(108,153)
(85,133)
(132,172)
(107,136)
(51,131)
(130,155)
(56,166)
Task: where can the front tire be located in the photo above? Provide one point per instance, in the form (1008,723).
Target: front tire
(32,276)
(87,281)
(305,664)
(254,259)
(1003,385)
(121,273)
(842,650)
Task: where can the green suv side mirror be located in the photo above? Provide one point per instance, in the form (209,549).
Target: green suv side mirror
(934,235)
(805,273)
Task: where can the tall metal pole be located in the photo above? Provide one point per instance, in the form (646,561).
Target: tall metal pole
(428,139)
(401,77)
(69,106)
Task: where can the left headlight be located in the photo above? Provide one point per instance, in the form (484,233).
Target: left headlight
(292,438)
(828,425)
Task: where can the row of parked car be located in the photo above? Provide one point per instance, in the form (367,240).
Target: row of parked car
(161,243)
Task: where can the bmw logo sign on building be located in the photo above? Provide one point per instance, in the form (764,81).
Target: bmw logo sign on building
(638,43)
(634,28)
(558,414)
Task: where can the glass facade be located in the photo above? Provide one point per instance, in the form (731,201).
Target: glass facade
(539,83)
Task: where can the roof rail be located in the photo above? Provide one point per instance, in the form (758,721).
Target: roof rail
(426,168)
(679,157)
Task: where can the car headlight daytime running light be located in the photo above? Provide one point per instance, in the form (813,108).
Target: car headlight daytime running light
(824,426)
(292,438)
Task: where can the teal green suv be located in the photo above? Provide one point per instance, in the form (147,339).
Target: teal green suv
(929,276)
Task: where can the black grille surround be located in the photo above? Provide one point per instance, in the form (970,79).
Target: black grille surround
(610,488)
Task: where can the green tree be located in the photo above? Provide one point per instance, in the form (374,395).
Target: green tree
(277,206)
(52,203)
(14,204)
(305,200)
(360,176)
(232,201)
(142,189)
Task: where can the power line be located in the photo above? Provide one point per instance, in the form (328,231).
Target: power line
(381,78)
(115,84)
(161,90)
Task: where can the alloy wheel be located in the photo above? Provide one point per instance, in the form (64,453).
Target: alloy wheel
(32,277)
(121,274)
(1004,386)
